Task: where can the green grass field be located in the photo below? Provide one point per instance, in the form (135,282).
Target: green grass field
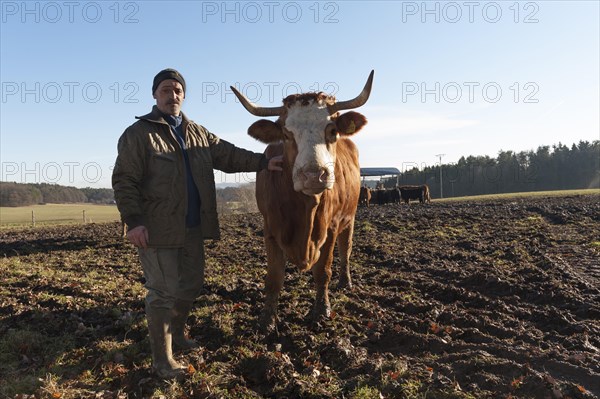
(57,214)
(556,193)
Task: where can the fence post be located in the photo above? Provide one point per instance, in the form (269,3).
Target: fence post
(32,218)
(83,216)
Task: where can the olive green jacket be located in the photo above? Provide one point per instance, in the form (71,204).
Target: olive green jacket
(149,176)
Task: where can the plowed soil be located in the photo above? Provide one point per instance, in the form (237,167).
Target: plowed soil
(481,299)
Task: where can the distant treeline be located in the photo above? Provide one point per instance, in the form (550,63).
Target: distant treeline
(230,199)
(17,194)
(556,167)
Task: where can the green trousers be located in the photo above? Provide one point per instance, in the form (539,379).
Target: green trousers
(174,273)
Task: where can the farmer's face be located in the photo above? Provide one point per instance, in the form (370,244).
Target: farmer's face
(169,96)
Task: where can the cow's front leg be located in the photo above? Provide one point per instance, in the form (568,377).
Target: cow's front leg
(344,243)
(322,275)
(273,285)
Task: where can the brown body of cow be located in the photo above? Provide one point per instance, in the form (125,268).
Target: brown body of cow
(420,193)
(311,204)
(364,198)
(426,195)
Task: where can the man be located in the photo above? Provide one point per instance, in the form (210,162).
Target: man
(165,191)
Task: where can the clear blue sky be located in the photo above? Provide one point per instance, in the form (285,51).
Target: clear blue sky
(454,78)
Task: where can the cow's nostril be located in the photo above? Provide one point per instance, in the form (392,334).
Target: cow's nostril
(324,176)
(302,175)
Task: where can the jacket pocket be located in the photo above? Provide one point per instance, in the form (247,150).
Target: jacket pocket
(164,156)
(161,179)
(162,165)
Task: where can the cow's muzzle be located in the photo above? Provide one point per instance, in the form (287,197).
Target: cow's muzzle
(313,181)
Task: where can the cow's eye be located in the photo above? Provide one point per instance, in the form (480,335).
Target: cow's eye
(288,136)
(331,133)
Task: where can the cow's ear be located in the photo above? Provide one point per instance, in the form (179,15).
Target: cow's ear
(350,123)
(266,131)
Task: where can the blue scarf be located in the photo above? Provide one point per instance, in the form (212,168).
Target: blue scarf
(192,217)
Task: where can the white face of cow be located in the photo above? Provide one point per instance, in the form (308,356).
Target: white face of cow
(309,125)
(313,169)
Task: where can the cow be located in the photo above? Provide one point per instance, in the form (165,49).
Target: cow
(394,195)
(408,193)
(312,203)
(382,196)
(379,196)
(420,193)
(426,195)
(364,198)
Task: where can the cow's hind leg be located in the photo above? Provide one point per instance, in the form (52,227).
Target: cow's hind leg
(273,285)
(344,242)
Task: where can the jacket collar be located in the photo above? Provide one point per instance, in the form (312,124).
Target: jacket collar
(157,116)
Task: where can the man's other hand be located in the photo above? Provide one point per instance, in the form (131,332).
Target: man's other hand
(138,236)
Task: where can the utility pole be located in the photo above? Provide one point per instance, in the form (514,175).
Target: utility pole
(441,191)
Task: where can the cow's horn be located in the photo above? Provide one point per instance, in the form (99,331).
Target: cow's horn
(357,101)
(255,109)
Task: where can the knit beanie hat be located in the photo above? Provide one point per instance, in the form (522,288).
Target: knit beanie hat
(165,74)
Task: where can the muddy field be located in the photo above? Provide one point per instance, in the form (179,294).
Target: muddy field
(482,299)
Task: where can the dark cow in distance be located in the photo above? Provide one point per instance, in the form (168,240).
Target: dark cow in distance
(394,195)
(382,196)
(378,196)
(420,193)
(311,204)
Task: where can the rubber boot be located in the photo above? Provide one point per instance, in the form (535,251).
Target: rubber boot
(163,364)
(181,311)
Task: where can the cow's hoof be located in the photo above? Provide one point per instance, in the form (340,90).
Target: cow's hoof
(319,314)
(318,322)
(344,283)
(268,324)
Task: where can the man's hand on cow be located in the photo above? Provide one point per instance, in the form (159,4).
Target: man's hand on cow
(276,163)
(138,236)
